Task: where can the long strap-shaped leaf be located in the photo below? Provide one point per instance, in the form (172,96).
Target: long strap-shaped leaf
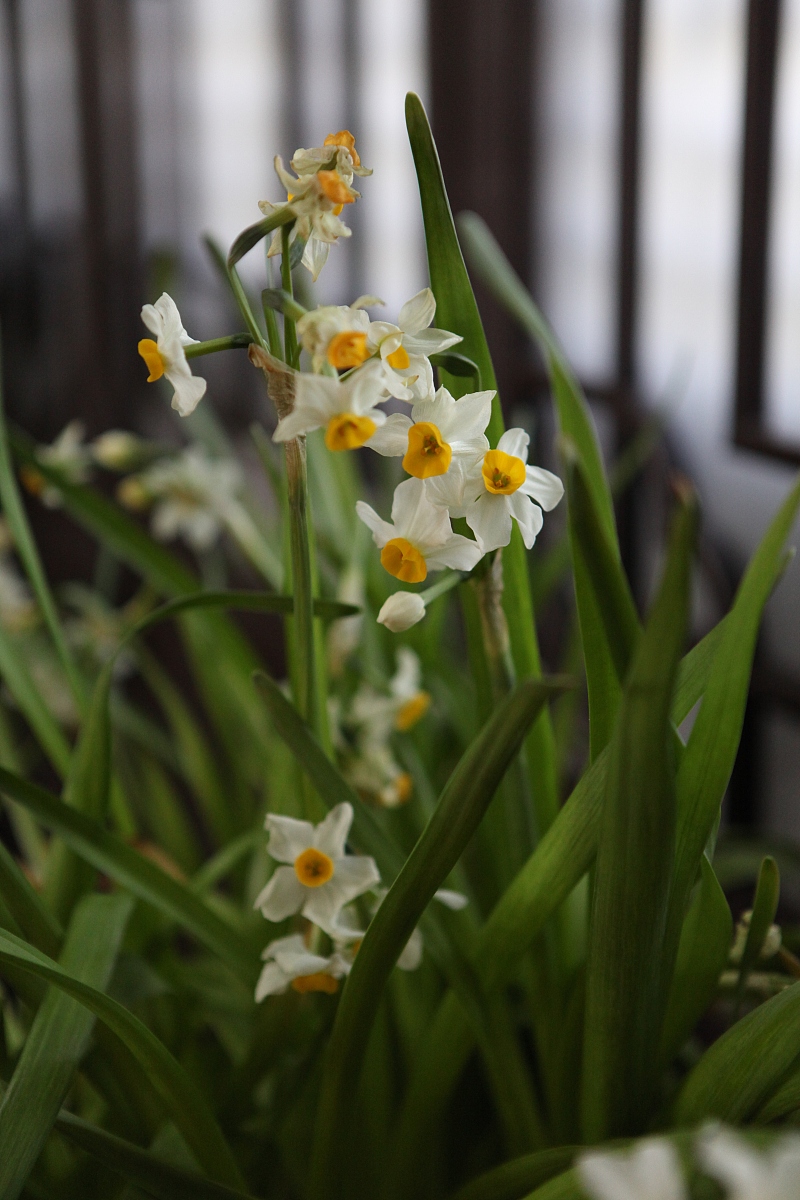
(182,1099)
(457,311)
(22,900)
(57,1040)
(560,860)
(519,1177)
(48,733)
(141,1167)
(131,870)
(625,991)
(738,1073)
(711,751)
(464,801)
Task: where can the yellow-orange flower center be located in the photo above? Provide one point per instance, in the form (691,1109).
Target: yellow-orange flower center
(344,138)
(32,480)
(399,359)
(404,561)
(412,711)
(132,494)
(153,360)
(502,473)
(428,454)
(348,349)
(346,431)
(334,187)
(313,868)
(320,982)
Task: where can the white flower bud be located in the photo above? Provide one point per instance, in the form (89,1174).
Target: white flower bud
(117,449)
(401,611)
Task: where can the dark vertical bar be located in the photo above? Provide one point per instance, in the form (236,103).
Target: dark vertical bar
(481,71)
(17,98)
(630,105)
(763,19)
(628,229)
(108,163)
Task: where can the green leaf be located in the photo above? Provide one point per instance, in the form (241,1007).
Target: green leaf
(33,917)
(14,512)
(624,981)
(131,870)
(737,1075)
(613,601)
(251,236)
(765,906)
(45,728)
(553,870)
(58,1038)
(702,955)
(458,364)
(516,1179)
(182,1100)
(88,788)
(142,1167)
(457,311)
(245,602)
(711,751)
(465,799)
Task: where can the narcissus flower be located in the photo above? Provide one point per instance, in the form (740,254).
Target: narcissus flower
(165,356)
(68,455)
(439,431)
(499,487)
(336,335)
(317,195)
(420,537)
(321,878)
(651,1171)
(401,611)
(192,495)
(747,1174)
(346,409)
(288,962)
(406,347)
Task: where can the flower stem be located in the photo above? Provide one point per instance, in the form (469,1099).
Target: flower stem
(291,351)
(235,341)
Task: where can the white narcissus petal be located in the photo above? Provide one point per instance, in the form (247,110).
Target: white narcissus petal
(450,899)
(288,837)
(516,442)
(747,1174)
(416,518)
(469,416)
(271,982)
(391,439)
(458,488)
(189,388)
(331,834)
(353,875)
(401,611)
(419,367)
(315,256)
(651,1171)
(382,531)
(430,341)
(418,312)
(411,954)
(489,519)
(528,516)
(458,552)
(543,486)
(283,896)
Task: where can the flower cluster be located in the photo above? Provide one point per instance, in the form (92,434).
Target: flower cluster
(653,1171)
(357,365)
(318,880)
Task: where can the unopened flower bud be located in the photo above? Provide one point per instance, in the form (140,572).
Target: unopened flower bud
(117,450)
(401,611)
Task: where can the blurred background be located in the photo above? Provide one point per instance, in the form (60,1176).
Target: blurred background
(639,161)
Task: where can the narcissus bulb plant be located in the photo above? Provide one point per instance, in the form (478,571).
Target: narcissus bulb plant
(325,878)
